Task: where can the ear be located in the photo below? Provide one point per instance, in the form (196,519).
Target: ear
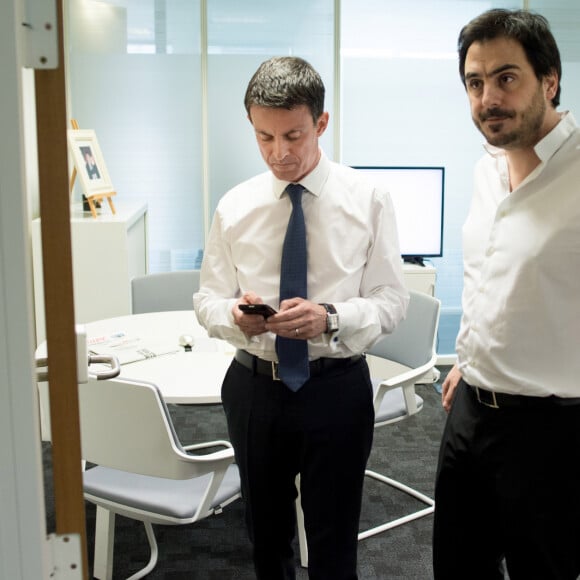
(550,82)
(322,123)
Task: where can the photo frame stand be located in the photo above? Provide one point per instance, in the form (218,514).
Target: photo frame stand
(94,200)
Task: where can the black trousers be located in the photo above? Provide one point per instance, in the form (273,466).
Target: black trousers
(324,432)
(508,486)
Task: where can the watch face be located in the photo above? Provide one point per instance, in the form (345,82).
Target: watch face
(332,322)
(331,317)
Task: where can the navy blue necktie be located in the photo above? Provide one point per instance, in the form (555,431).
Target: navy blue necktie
(293,366)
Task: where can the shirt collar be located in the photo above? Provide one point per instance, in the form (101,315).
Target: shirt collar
(556,137)
(313,182)
(547,146)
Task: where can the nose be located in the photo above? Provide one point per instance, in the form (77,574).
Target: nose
(491,96)
(279,148)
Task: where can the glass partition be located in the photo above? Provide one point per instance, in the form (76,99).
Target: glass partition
(144,73)
(134,71)
(241,35)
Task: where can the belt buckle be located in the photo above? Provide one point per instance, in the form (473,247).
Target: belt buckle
(493,404)
(275,376)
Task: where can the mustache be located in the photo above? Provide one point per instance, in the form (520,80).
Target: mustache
(496,112)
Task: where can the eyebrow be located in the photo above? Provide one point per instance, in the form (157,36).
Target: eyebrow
(264,132)
(494,72)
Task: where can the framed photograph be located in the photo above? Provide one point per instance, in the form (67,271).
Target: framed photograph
(89,162)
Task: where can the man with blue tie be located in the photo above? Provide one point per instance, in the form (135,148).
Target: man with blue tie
(317,242)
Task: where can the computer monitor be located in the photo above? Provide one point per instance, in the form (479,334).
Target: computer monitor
(418,196)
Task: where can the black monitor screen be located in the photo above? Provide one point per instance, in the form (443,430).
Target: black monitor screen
(417,194)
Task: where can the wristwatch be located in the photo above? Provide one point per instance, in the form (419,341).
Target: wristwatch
(331,317)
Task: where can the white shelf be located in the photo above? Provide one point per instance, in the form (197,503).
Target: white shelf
(107,251)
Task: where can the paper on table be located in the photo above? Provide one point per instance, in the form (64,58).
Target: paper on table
(129,349)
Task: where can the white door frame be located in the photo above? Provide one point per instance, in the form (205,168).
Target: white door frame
(22,525)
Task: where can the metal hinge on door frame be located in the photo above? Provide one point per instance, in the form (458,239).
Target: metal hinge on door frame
(65,557)
(39,29)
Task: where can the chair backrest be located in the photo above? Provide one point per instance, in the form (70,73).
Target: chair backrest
(164,291)
(413,342)
(125,425)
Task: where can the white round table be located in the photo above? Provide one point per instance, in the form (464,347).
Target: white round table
(193,377)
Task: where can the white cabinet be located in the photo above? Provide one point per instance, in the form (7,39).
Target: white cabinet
(107,252)
(420,278)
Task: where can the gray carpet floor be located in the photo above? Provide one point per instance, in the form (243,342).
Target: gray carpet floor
(217,548)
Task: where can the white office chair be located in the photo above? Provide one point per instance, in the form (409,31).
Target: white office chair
(142,471)
(410,352)
(164,291)
(404,356)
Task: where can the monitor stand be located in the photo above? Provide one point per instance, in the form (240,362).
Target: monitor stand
(417,260)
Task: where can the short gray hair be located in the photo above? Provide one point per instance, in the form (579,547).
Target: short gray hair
(285,82)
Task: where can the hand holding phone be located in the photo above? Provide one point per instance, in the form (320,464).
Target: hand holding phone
(262,309)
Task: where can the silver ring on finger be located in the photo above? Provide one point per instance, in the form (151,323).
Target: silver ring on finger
(297,331)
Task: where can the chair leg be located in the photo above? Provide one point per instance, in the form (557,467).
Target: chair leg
(303,546)
(104,544)
(154,553)
(402,520)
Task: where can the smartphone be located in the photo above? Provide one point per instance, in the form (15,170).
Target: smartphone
(262,309)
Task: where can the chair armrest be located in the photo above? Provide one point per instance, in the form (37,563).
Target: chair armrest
(405,380)
(227,453)
(412,375)
(205,445)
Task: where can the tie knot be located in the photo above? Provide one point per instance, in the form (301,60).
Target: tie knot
(295,190)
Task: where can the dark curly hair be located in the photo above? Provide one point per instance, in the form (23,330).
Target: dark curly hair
(531,30)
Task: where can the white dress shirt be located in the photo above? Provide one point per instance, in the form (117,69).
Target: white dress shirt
(520,331)
(354,260)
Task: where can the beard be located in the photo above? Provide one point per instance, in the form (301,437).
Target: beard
(527,134)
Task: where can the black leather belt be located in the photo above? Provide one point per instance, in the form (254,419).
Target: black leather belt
(270,368)
(499,400)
